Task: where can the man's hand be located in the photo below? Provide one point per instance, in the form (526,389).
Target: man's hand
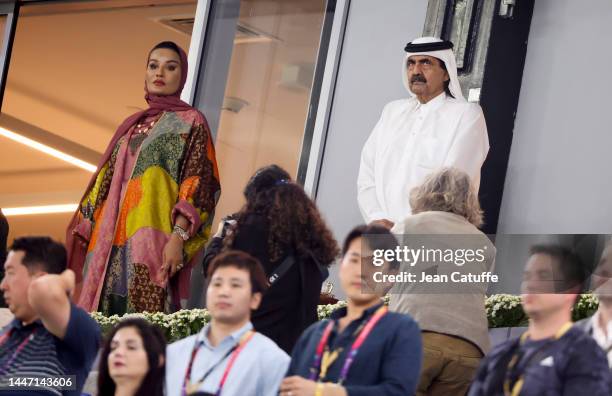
(388,224)
(49,296)
(297,386)
(68,279)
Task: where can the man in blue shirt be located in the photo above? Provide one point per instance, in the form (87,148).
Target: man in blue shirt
(227,354)
(364,349)
(50,338)
(552,357)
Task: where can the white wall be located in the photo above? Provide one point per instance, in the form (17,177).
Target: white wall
(559,175)
(369,76)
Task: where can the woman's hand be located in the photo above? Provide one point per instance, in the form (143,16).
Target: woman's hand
(172,259)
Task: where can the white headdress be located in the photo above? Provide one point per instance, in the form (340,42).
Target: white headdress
(438,49)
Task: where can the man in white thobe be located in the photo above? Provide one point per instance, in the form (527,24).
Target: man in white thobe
(414,137)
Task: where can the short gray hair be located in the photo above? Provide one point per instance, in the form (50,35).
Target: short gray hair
(447,190)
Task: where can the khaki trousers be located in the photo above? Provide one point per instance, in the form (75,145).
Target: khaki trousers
(449,365)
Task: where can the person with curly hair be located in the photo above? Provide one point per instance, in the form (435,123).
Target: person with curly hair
(282,227)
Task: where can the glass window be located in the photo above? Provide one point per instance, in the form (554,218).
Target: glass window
(76,71)
(267,91)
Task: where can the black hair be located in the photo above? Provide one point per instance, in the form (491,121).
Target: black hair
(41,253)
(265,178)
(154,343)
(573,272)
(245,262)
(292,220)
(377,238)
(171,45)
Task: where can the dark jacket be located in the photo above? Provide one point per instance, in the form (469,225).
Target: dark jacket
(585,325)
(387,363)
(572,365)
(289,306)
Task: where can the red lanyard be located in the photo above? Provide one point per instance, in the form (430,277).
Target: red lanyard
(363,334)
(234,355)
(22,345)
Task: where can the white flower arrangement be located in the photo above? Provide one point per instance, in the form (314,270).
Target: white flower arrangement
(586,306)
(503,310)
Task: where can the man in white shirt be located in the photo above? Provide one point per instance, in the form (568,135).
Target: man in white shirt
(227,356)
(414,137)
(599,326)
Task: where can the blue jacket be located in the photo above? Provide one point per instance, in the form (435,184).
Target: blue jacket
(387,364)
(570,366)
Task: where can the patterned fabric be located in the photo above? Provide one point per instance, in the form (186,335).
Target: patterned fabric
(129,212)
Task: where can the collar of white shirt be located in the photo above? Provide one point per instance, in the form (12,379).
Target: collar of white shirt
(432,105)
(598,334)
(230,339)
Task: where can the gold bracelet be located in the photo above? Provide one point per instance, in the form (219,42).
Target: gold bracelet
(319,389)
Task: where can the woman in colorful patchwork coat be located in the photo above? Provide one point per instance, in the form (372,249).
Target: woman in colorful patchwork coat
(148,210)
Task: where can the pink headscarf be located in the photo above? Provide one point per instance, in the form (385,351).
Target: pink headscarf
(157,104)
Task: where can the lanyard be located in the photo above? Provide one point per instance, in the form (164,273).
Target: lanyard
(190,388)
(22,345)
(322,353)
(515,390)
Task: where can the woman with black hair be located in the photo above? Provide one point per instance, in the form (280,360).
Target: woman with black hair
(282,227)
(132,362)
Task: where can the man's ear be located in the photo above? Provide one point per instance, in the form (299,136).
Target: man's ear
(255,300)
(446,76)
(162,361)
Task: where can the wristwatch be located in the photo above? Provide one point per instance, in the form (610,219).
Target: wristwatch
(178,230)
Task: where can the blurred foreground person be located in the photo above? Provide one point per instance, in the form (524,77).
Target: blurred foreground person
(132,362)
(553,357)
(363,349)
(227,357)
(49,336)
(599,326)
